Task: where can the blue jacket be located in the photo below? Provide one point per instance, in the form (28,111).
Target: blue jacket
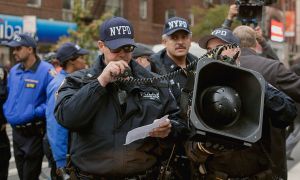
(26,100)
(57,135)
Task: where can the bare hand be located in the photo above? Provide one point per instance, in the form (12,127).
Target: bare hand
(233,11)
(113,69)
(259,34)
(143,61)
(163,130)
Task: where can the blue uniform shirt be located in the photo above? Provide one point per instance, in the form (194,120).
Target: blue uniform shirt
(26,100)
(57,135)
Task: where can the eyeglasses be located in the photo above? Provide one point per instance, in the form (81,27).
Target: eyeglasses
(126,49)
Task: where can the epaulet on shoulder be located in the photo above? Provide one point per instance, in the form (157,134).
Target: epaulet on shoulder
(82,75)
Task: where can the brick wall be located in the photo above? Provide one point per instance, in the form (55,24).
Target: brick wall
(48,9)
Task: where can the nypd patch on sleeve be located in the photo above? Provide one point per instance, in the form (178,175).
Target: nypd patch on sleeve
(52,72)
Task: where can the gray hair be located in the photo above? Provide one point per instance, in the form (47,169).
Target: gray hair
(246,35)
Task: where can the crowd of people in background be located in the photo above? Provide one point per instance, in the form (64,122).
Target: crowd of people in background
(79,117)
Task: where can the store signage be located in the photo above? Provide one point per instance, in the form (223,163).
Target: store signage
(8,30)
(47,31)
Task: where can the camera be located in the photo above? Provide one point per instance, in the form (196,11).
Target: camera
(250,11)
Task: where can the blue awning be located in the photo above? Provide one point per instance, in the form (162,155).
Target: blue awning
(48,31)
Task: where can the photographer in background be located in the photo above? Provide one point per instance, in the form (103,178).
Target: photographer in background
(265,49)
(293,137)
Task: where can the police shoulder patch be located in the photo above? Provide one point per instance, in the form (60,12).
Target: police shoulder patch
(52,72)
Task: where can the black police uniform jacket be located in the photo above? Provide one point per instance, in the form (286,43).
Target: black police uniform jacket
(161,64)
(100,123)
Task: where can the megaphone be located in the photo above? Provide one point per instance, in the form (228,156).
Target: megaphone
(227,103)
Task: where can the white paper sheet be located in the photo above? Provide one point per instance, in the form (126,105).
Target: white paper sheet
(143,131)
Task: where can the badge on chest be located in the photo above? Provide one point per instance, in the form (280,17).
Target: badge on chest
(154,96)
(31,83)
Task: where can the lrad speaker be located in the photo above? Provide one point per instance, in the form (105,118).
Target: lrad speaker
(227,103)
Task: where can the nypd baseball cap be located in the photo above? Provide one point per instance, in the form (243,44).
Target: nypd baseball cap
(117,32)
(69,51)
(225,35)
(21,40)
(175,24)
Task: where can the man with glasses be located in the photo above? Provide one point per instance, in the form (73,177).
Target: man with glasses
(100,111)
(25,106)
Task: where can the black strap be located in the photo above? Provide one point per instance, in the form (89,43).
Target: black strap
(186,94)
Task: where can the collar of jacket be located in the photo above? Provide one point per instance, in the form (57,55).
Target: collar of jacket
(169,63)
(247,51)
(33,67)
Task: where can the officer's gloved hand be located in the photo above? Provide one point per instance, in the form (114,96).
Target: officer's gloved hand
(62,172)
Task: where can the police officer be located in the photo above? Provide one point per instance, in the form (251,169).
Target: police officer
(71,58)
(4,141)
(100,112)
(265,158)
(51,58)
(177,40)
(25,106)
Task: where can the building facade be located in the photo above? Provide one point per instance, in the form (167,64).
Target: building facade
(147,17)
(47,19)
